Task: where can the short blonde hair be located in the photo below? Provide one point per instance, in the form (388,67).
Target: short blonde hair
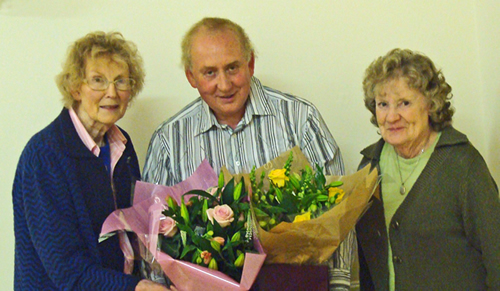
(420,73)
(214,24)
(92,46)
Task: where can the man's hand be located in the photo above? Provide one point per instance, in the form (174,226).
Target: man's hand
(146,285)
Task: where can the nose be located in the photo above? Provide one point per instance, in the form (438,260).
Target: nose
(224,83)
(393,114)
(111,91)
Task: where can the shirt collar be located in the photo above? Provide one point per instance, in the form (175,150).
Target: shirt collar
(114,134)
(257,105)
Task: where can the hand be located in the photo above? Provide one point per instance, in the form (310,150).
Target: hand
(146,285)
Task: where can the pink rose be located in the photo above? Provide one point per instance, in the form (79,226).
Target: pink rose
(223,214)
(168,226)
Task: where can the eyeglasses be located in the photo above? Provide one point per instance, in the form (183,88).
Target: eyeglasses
(101,84)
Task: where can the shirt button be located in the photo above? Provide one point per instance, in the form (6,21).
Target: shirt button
(237,163)
(397,259)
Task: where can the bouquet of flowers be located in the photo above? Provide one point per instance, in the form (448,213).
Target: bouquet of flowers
(302,216)
(201,240)
(212,229)
(293,197)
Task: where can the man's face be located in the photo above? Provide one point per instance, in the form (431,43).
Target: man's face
(221,73)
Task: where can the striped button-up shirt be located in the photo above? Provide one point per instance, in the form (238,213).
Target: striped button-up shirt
(274,122)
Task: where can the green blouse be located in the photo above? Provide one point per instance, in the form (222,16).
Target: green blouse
(395,174)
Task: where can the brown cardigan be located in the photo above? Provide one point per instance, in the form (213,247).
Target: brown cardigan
(446,233)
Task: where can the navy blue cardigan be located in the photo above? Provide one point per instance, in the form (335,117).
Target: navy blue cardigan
(62,194)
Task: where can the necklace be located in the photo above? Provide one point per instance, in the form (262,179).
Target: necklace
(402,188)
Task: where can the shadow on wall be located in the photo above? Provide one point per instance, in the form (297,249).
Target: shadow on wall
(494,154)
(142,118)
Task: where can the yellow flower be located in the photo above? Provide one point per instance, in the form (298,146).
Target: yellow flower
(278,177)
(302,217)
(337,193)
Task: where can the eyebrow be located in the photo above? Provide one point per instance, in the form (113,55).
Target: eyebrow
(214,68)
(232,64)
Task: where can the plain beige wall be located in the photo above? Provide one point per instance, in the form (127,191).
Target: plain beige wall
(314,49)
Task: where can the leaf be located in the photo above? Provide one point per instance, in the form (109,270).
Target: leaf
(308,199)
(230,252)
(187,249)
(289,203)
(171,246)
(202,193)
(227,194)
(320,177)
(260,213)
(274,209)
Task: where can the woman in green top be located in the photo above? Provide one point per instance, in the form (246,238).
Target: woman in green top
(436,223)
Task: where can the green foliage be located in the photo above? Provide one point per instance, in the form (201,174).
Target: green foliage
(302,192)
(200,234)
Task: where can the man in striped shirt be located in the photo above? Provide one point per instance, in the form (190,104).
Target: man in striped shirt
(239,123)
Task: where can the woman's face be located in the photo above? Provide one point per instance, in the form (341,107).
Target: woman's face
(402,116)
(101,109)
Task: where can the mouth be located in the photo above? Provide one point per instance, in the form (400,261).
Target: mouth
(109,107)
(395,129)
(226,97)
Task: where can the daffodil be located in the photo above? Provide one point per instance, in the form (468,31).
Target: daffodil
(336,193)
(278,177)
(302,217)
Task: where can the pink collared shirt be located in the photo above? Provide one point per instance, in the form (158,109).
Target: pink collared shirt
(116,140)
(117,143)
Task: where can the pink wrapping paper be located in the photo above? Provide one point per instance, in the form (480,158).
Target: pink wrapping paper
(143,219)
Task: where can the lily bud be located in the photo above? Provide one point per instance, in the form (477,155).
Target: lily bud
(184,212)
(215,245)
(213,265)
(221,180)
(322,198)
(279,195)
(295,182)
(204,216)
(240,260)
(236,237)
(219,240)
(237,191)
(171,203)
(335,184)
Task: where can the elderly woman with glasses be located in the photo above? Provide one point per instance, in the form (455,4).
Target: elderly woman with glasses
(436,224)
(76,171)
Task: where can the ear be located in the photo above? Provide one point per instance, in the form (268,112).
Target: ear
(251,64)
(76,95)
(191,79)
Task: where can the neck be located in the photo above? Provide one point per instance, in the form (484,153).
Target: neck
(95,129)
(231,121)
(416,148)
